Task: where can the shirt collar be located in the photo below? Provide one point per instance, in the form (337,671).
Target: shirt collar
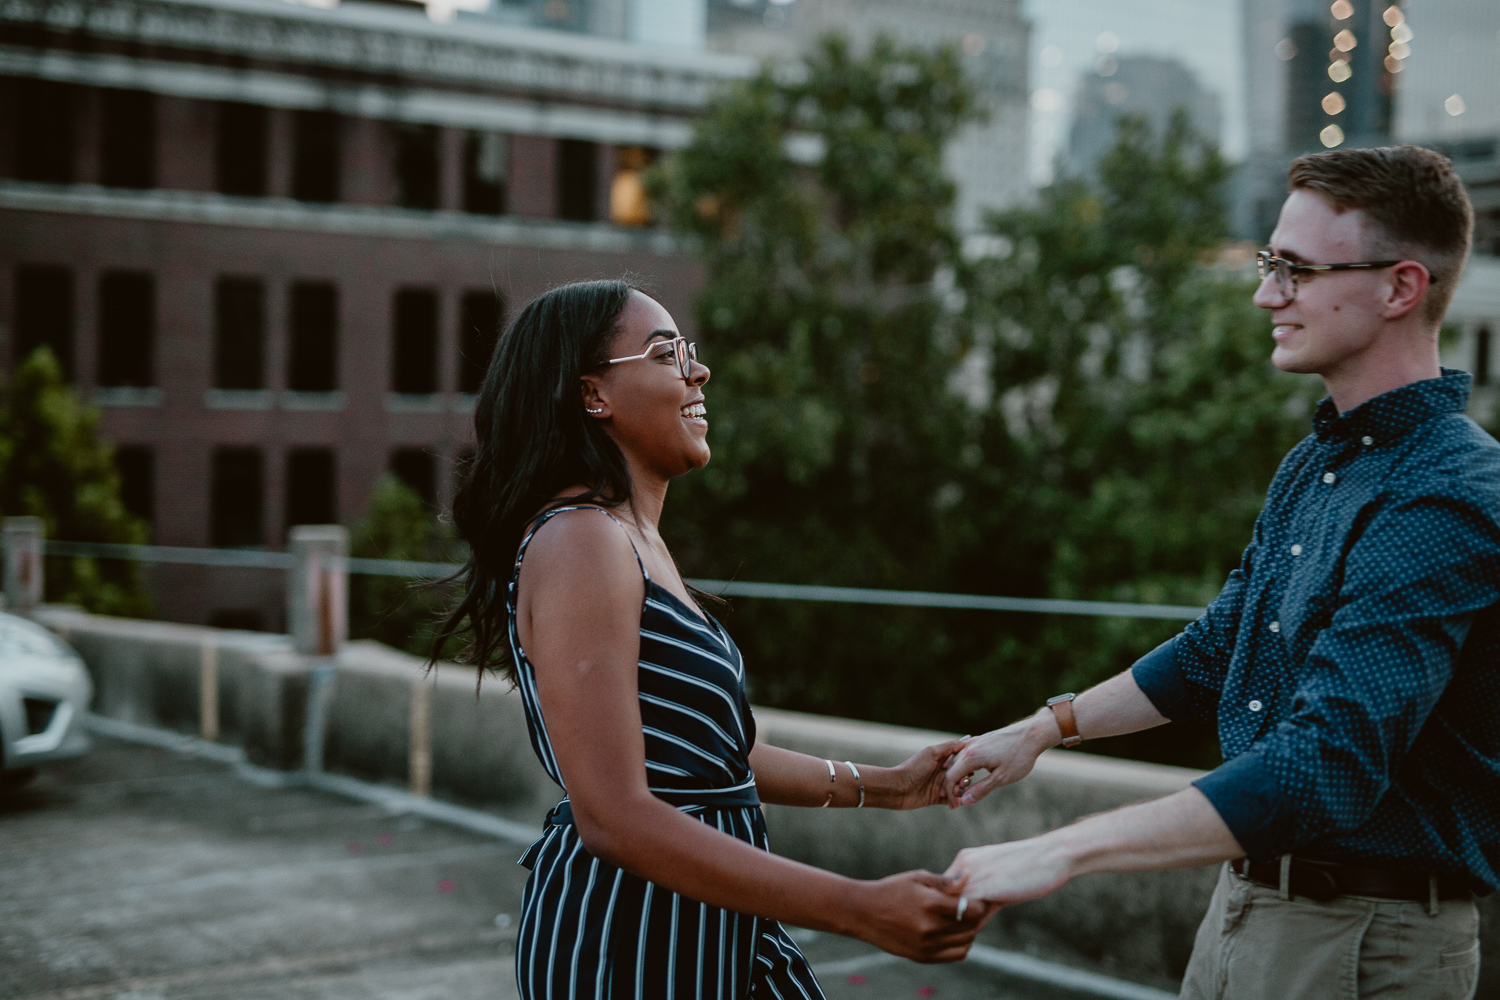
(1394,413)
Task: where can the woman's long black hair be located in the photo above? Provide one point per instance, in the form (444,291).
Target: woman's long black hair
(533,441)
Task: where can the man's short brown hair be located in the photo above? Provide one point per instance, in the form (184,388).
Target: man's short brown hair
(1413,197)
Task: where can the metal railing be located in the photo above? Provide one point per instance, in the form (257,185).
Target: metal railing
(257,559)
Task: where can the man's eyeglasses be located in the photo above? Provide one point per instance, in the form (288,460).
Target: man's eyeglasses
(685,353)
(1286,271)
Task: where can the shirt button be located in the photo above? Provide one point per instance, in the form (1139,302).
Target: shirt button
(1329,477)
(1367,440)
(1255,706)
(1296,550)
(1276,626)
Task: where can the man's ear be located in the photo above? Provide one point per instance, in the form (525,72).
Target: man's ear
(1407,286)
(594,404)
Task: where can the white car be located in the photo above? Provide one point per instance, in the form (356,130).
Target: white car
(44,693)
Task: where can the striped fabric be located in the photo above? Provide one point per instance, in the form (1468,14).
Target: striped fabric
(591,930)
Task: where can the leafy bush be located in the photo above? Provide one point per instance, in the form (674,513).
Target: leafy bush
(397,611)
(54,465)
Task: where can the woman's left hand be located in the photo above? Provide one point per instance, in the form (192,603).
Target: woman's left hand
(918,781)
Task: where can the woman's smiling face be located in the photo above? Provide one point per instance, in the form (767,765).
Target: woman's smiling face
(655,415)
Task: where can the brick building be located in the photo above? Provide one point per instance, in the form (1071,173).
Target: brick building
(272,242)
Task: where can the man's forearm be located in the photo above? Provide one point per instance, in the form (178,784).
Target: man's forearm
(1182,830)
(1117,706)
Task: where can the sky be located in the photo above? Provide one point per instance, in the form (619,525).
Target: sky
(1068,36)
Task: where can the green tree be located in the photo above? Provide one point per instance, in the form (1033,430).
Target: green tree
(828,323)
(398,611)
(54,465)
(1084,411)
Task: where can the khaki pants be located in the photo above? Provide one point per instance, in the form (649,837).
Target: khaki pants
(1255,944)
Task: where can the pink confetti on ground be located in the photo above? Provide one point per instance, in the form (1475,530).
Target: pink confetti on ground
(858,980)
(355,847)
(386,839)
(926,991)
(446,885)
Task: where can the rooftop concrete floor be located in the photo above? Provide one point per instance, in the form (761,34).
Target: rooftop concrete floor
(138,873)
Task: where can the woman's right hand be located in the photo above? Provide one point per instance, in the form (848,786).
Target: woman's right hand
(914,915)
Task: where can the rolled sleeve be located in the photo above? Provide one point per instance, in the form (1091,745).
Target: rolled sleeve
(1158,676)
(1248,799)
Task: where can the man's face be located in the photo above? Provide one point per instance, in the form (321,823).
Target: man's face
(1336,315)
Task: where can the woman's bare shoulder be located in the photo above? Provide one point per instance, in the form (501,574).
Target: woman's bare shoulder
(583,545)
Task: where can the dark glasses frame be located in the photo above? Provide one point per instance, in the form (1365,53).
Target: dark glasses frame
(1286,271)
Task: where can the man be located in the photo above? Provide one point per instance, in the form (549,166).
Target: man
(1351,662)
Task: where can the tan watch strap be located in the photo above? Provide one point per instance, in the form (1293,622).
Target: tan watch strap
(1067,723)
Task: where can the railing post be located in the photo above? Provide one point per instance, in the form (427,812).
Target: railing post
(317,593)
(23,563)
(317,614)
(419,749)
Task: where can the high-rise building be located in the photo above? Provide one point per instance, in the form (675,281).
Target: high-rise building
(1151,87)
(987,161)
(1320,76)
(673,23)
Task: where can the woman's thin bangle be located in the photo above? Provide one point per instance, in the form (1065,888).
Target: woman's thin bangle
(833,776)
(855,771)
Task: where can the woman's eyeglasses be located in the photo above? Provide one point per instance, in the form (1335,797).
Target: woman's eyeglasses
(1286,271)
(685,353)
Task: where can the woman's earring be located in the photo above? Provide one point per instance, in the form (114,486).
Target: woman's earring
(589,409)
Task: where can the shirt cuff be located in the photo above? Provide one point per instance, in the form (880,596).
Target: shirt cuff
(1249,802)
(1158,675)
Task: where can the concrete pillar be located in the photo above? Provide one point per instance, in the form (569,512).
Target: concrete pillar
(317,593)
(23,563)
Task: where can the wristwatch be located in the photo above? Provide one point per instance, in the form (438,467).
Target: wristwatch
(1067,724)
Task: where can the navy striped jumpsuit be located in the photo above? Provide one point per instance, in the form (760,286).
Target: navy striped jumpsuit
(591,930)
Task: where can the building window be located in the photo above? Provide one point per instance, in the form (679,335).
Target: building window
(235,498)
(45,131)
(239,334)
(414,341)
(44,313)
(1482,356)
(486,167)
(240,150)
(311,487)
(316,145)
(577,180)
(127,148)
(127,328)
(416,165)
(137,465)
(415,467)
(480,316)
(628,203)
(312,355)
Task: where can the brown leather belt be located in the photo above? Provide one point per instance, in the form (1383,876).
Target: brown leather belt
(1323,880)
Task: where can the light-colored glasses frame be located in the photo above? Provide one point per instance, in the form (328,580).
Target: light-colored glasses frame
(1286,271)
(686,354)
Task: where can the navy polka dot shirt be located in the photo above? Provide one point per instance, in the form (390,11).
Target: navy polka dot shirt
(1352,661)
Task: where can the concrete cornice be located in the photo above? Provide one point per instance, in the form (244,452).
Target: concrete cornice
(351,220)
(361,39)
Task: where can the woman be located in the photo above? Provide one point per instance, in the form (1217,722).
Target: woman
(653,876)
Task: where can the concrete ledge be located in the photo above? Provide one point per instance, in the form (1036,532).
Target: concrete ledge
(1138,927)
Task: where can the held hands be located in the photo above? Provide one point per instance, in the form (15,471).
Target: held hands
(916,915)
(1007,754)
(918,781)
(1003,874)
